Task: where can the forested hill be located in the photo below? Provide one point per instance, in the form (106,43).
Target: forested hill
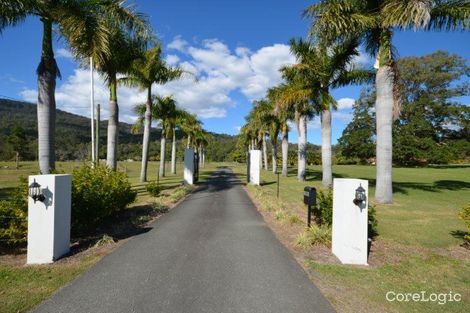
(73,135)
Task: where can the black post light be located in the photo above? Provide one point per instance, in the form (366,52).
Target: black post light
(360,195)
(35,192)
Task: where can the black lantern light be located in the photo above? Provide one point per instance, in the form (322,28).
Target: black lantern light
(35,192)
(360,195)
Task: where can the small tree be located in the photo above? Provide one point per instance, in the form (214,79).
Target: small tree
(18,143)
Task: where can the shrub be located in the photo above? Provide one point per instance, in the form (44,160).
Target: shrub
(279,215)
(13,216)
(315,235)
(153,189)
(98,193)
(294,219)
(373,222)
(323,211)
(464,215)
(179,193)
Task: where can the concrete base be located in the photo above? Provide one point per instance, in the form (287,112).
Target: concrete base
(255,167)
(189,167)
(49,221)
(350,223)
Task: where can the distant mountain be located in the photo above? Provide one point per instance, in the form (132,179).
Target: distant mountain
(73,135)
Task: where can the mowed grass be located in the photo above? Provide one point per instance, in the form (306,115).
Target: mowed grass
(426,200)
(23,287)
(418,239)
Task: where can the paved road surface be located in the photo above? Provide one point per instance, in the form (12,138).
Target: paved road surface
(212,253)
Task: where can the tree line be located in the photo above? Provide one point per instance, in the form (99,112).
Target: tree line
(326,61)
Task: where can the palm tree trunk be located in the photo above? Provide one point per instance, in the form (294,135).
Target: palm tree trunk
(200,156)
(47,73)
(113,121)
(146,139)
(173,153)
(265,152)
(384,117)
(285,149)
(17,159)
(326,148)
(188,145)
(162,153)
(302,147)
(274,154)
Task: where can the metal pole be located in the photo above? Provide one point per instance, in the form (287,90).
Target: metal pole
(277,172)
(92,107)
(97,139)
(309,216)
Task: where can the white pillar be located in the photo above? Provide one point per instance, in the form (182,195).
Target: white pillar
(350,223)
(49,221)
(189,167)
(255,167)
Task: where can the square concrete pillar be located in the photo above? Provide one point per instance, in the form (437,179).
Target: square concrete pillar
(189,167)
(350,222)
(255,167)
(49,220)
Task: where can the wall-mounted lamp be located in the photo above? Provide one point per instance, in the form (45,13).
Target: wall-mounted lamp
(360,195)
(35,192)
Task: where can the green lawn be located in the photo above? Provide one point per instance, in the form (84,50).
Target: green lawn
(417,244)
(426,200)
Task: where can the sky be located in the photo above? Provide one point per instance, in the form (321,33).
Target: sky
(234,47)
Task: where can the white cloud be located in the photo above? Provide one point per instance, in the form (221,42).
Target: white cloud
(220,72)
(178,44)
(172,59)
(63,53)
(345,103)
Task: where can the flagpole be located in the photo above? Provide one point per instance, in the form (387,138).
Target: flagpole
(92,109)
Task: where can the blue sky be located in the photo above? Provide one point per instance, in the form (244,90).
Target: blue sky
(235,48)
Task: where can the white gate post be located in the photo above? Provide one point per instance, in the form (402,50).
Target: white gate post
(255,167)
(189,167)
(350,222)
(49,220)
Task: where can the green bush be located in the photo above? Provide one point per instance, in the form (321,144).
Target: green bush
(13,216)
(464,215)
(153,189)
(323,211)
(315,235)
(98,193)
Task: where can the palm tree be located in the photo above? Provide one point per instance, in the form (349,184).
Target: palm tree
(284,115)
(372,23)
(165,111)
(326,68)
(295,96)
(190,125)
(264,112)
(145,71)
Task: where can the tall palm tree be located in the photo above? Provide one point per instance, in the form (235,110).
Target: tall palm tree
(284,115)
(264,112)
(325,68)
(145,71)
(295,96)
(372,23)
(164,110)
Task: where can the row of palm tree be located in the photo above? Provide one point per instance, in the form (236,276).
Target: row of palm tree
(110,32)
(371,23)
(325,62)
(117,38)
(165,111)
